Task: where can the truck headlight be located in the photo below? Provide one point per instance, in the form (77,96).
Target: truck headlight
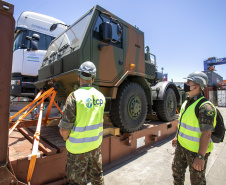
(15,82)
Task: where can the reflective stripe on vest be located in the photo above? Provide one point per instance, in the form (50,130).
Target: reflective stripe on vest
(195,129)
(87,128)
(191,138)
(85,140)
(87,132)
(189,129)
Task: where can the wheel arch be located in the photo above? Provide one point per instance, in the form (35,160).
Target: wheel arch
(159,89)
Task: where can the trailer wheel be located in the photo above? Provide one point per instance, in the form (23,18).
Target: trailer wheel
(129,109)
(166,109)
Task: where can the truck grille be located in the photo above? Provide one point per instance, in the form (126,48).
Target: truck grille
(149,69)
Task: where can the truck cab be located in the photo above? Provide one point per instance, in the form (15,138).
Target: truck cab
(113,45)
(31,40)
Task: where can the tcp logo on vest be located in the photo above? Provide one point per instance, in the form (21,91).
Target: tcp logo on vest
(90,102)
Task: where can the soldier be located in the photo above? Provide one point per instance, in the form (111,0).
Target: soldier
(81,127)
(193,139)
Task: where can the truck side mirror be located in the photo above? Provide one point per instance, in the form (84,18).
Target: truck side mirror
(105,31)
(147,56)
(53,27)
(159,76)
(34,41)
(119,29)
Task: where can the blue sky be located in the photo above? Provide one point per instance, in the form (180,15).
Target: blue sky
(181,33)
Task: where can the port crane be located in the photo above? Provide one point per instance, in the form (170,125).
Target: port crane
(210,63)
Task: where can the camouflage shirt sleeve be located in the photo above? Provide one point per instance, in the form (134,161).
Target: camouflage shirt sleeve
(69,113)
(206,117)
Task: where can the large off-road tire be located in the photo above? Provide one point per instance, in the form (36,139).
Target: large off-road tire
(129,109)
(166,108)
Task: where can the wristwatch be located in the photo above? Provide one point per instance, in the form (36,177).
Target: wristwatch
(200,156)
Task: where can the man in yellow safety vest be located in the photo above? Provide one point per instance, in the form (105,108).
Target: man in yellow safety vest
(81,127)
(193,140)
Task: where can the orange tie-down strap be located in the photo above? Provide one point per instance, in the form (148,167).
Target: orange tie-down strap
(35,153)
(31,167)
(33,156)
(37,98)
(28,108)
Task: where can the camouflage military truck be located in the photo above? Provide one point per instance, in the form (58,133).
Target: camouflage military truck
(126,73)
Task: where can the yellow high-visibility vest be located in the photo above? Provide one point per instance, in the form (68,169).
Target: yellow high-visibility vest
(87,132)
(189,132)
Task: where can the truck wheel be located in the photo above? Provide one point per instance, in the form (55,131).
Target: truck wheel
(129,109)
(166,109)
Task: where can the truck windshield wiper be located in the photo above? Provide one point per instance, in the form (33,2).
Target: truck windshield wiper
(53,54)
(63,47)
(46,58)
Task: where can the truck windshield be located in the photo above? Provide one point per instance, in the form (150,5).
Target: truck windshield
(71,37)
(20,41)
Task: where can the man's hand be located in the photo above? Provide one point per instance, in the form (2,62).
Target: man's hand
(198,164)
(174,142)
(64,133)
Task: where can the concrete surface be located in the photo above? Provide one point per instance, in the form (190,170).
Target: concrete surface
(154,166)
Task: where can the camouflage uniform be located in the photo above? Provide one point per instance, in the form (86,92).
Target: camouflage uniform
(184,157)
(79,166)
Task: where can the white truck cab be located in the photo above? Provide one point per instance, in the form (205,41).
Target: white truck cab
(31,40)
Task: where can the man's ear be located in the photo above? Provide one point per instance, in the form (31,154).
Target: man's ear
(198,86)
(92,79)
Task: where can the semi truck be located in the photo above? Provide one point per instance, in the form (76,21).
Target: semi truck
(31,40)
(126,74)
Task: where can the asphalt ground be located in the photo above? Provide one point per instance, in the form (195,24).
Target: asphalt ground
(154,166)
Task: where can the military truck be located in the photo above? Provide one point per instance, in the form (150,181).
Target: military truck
(126,73)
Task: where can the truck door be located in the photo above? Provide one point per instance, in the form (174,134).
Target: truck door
(32,62)
(108,56)
(33,58)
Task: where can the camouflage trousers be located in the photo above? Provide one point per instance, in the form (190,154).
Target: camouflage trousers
(82,166)
(182,159)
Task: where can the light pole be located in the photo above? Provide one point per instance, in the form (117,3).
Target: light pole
(162,73)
